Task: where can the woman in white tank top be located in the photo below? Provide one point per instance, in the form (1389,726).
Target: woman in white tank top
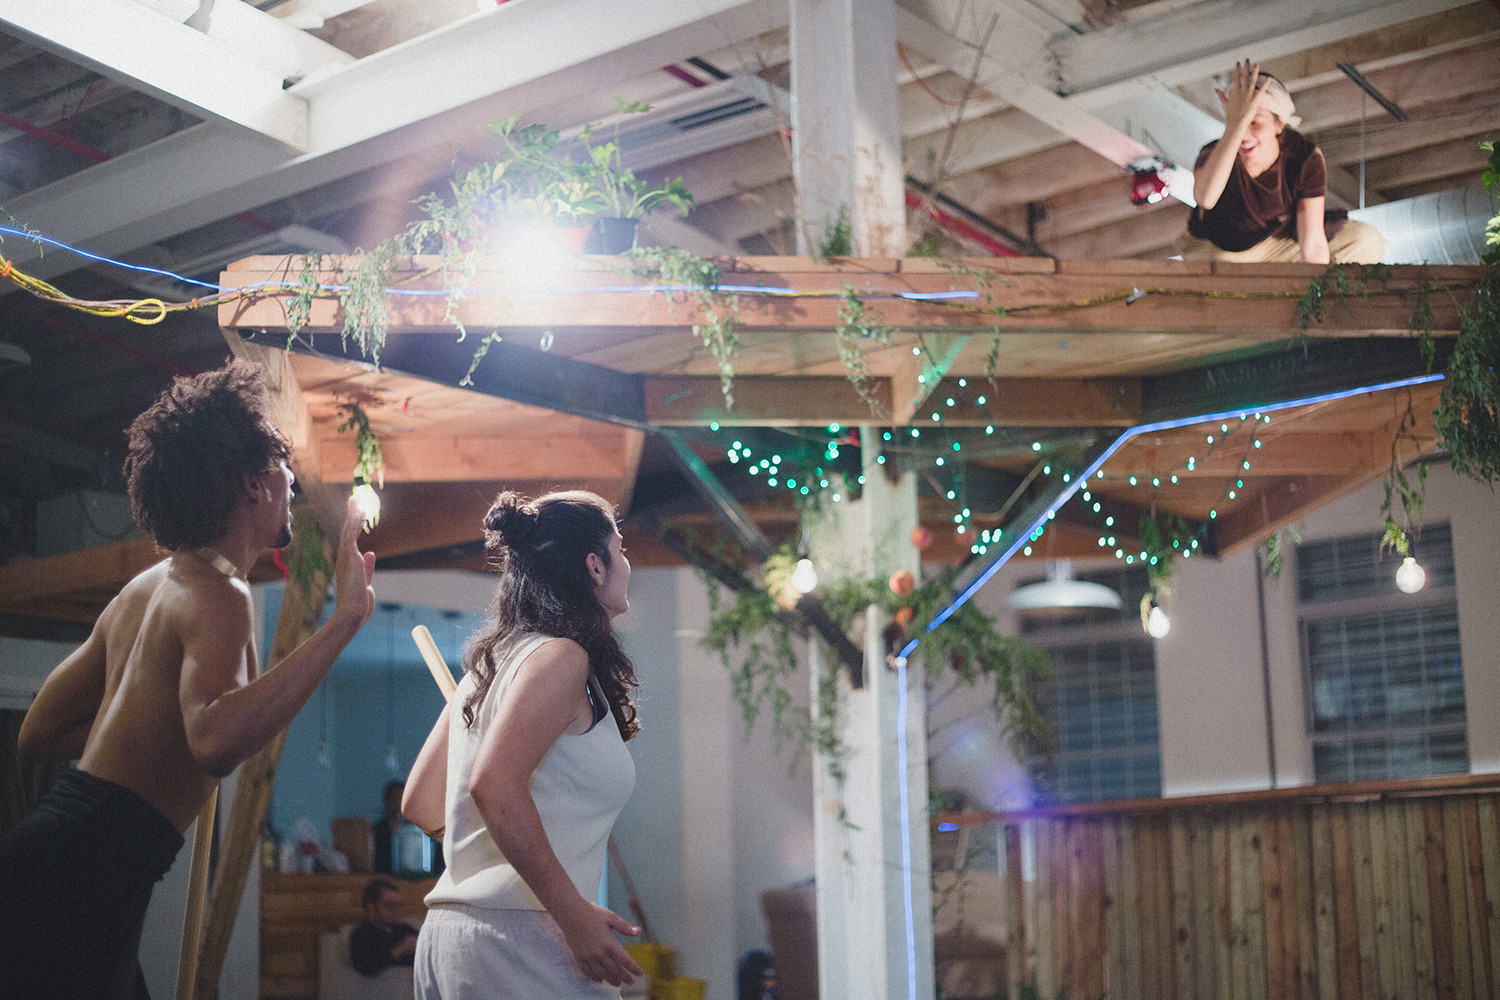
(526,769)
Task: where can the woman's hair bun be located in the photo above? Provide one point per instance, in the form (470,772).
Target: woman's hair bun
(511,518)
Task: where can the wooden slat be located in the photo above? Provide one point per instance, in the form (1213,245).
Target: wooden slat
(1364,895)
(1424,934)
(1155,977)
(1046,922)
(1223,918)
(1206,908)
(1239,938)
(1115,914)
(1440,914)
(1457,888)
(1092,911)
(1015,905)
(1380,901)
(1062,927)
(105,567)
(1274,890)
(1031,926)
(1325,902)
(1350,985)
(1164,949)
(1489,846)
(1297,867)
(424,459)
(1478,914)
(1398,879)
(1181,833)
(1130,892)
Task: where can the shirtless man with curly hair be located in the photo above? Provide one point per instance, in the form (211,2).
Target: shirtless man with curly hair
(165,697)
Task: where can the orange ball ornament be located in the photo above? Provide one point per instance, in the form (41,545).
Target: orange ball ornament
(902,582)
(903,617)
(921,537)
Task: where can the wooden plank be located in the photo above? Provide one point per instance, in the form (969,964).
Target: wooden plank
(1325,902)
(1155,977)
(1062,928)
(1273,891)
(1162,922)
(1208,894)
(1015,907)
(1239,973)
(1092,977)
(1114,909)
(1350,984)
(1181,834)
(1423,932)
(773,401)
(1301,877)
(1364,895)
(1456,875)
(1440,914)
(1489,841)
(1223,921)
(1380,881)
(109,567)
(1398,885)
(1478,910)
(446,459)
(1255,916)
(1046,921)
(1031,926)
(1130,892)
(1076,975)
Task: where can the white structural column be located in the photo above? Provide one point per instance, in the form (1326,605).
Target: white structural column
(873,853)
(846,135)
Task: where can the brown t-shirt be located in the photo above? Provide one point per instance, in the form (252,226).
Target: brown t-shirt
(1254,208)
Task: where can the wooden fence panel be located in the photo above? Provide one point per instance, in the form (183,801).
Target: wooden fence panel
(1364,897)
(1115,912)
(1403,973)
(1489,846)
(1478,909)
(1460,970)
(1272,890)
(1205,908)
(1424,935)
(1046,934)
(1307,935)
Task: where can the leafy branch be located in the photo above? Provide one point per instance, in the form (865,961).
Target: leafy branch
(857,325)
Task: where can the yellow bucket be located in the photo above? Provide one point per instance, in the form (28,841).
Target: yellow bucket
(678,988)
(655,960)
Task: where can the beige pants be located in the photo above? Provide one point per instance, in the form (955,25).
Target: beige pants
(1355,243)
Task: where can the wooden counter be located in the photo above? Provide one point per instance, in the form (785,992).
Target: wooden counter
(295,909)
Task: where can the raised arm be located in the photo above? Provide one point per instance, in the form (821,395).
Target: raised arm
(228,716)
(539,706)
(1311,238)
(1239,107)
(424,800)
(58,722)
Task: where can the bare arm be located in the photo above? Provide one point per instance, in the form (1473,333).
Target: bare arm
(1239,108)
(424,801)
(1311,239)
(57,724)
(540,705)
(227,716)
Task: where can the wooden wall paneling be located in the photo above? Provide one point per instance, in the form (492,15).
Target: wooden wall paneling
(1094,885)
(1181,834)
(1474,896)
(1239,980)
(1015,910)
(1046,924)
(1380,900)
(1300,858)
(1325,901)
(1350,985)
(1115,913)
(1030,928)
(1274,891)
(1489,846)
(1155,978)
(1364,895)
(1398,888)
(1205,907)
(1440,915)
(1076,864)
(1223,930)
(1062,927)
(1457,886)
(1130,894)
(1255,911)
(1164,949)
(1424,959)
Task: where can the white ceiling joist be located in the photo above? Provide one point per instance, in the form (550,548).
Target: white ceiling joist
(182,66)
(1189,43)
(431,92)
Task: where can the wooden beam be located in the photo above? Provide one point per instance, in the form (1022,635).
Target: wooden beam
(1026,402)
(1035,177)
(1436,123)
(1421,39)
(106,567)
(419,458)
(1455,158)
(1412,85)
(1150,229)
(919,371)
(1301,453)
(1282,502)
(762,401)
(635,444)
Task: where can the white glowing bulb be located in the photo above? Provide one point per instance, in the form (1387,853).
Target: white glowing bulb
(368,502)
(1410,577)
(1158,624)
(805,576)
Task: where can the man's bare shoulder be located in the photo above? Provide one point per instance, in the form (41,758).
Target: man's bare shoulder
(183,597)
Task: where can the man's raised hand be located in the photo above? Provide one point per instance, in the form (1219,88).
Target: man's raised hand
(355,597)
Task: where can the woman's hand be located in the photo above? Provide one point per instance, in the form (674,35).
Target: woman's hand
(1239,104)
(589,930)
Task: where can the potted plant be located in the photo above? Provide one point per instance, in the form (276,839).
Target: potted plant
(625,197)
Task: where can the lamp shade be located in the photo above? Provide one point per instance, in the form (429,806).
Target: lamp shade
(1061,590)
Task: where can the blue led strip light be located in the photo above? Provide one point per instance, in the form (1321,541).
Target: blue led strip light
(1004,557)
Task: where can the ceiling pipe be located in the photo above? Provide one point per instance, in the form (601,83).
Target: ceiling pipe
(956,225)
(1444,227)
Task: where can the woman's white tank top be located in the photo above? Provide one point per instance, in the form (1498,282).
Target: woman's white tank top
(579,788)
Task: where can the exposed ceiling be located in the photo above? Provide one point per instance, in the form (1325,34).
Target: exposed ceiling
(182,135)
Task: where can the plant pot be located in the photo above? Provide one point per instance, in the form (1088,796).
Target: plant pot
(615,235)
(573,239)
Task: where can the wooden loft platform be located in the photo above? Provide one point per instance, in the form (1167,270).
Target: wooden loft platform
(1085,350)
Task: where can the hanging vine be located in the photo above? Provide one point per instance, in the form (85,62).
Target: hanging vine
(718,310)
(858,325)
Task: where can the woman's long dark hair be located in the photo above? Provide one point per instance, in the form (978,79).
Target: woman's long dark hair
(540,547)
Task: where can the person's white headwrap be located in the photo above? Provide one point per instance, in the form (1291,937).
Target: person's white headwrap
(1276,100)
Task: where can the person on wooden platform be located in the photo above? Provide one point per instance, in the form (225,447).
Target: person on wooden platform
(382,941)
(526,768)
(164,698)
(1261,189)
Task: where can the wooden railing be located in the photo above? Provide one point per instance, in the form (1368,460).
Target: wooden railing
(1377,889)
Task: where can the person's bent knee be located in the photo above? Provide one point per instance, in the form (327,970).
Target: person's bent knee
(1357,243)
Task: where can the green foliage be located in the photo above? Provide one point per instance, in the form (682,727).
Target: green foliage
(838,236)
(675,266)
(1274,549)
(369,464)
(1163,539)
(1468,415)
(1491,177)
(858,324)
(623,194)
(930,245)
(299,307)
(307,557)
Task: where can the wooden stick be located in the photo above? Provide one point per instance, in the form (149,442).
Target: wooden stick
(192,915)
(635,900)
(435,661)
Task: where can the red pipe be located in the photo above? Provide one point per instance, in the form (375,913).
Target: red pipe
(962,228)
(684,76)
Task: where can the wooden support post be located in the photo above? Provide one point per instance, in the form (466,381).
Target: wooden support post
(192,915)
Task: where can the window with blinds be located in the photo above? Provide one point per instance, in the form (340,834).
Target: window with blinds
(1385,695)
(1101,699)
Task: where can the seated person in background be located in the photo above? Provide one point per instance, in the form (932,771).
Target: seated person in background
(383,830)
(381,941)
(1261,188)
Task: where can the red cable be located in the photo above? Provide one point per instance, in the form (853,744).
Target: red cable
(956,225)
(684,76)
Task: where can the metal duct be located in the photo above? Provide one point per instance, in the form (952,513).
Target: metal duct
(1445,227)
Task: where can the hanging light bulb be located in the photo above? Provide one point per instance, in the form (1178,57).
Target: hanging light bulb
(392,764)
(1157,623)
(1410,577)
(805,576)
(368,501)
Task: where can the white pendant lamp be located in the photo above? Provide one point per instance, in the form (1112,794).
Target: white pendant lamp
(1061,590)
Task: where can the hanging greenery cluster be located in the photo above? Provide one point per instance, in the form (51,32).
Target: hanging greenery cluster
(858,326)
(718,310)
